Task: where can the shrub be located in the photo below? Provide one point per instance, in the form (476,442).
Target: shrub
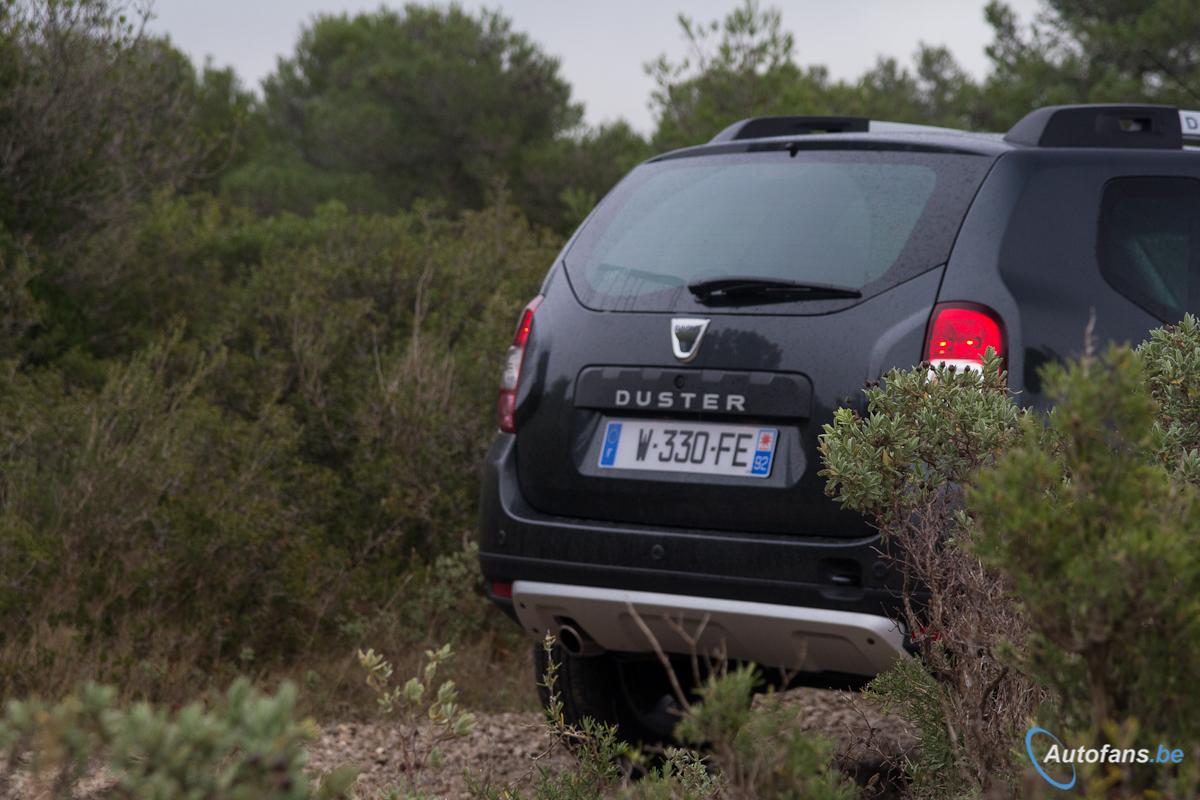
(414,702)
(1073,567)
(96,116)
(300,401)
(759,751)
(601,756)
(905,465)
(247,745)
(1171,363)
(139,525)
(936,769)
(380,334)
(226,439)
(1099,539)
(19,311)
(754,753)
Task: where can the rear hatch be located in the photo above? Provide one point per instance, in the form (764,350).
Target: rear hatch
(713,312)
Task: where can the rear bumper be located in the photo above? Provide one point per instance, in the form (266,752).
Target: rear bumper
(521,544)
(809,640)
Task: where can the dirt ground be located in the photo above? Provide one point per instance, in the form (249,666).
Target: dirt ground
(504,749)
(509,748)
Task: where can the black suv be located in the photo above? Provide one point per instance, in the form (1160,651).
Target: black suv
(661,402)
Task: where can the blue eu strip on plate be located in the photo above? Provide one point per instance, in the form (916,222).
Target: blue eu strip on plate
(612,437)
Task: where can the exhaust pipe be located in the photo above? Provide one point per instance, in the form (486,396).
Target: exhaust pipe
(577,643)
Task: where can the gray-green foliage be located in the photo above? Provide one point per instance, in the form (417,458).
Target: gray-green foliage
(248,745)
(1099,539)
(20,311)
(738,752)
(226,437)
(1074,563)
(382,108)
(925,431)
(245,434)
(117,502)
(683,774)
(1171,363)
(601,757)
(904,465)
(746,64)
(95,116)
(760,751)
(1085,52)
(420,701)
(910,691)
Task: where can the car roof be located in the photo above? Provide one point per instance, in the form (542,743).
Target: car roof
(949,141)
(1135,127)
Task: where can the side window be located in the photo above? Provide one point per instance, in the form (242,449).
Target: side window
(1149,243)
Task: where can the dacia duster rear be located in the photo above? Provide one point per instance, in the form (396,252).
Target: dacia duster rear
(655,477)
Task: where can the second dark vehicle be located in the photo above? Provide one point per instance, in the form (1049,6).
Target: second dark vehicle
(661,401)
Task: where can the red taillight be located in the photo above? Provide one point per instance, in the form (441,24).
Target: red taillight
(510,378)
(502,589)
(960,333)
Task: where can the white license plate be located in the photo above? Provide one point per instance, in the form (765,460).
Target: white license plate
(710,448)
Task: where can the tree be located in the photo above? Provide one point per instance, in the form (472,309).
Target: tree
(1080,51)
(745,65)
(1074,51)
(94,116)
(740,66)
(562,180)
(381,109)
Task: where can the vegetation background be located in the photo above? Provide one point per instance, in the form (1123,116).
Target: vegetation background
(249,339)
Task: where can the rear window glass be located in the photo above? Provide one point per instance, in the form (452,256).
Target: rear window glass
(859,219)
(1149,242)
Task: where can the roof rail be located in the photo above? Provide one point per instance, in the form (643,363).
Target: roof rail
(763,127)
(1100,125)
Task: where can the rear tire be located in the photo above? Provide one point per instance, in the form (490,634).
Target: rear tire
(631,692)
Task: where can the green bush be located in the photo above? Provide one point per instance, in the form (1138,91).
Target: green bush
(750,753)
(760,751)
(905,465)
(418,702)
(1170,363)
(1100,542)
(933,707)
(247,746)
(141,506)
(246,437)
(93,117)
(1056,551)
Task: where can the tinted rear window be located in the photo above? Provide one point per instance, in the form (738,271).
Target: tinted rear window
(860,219)
(1149,243)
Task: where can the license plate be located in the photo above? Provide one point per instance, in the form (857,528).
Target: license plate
(709,448)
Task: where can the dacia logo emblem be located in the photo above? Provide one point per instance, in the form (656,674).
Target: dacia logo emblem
(686,333)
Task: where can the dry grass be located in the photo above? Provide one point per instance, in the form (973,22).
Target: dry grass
(493,674)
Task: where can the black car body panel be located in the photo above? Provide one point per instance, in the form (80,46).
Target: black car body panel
(558,430)
(1027,249)
(521,542)
(1045,238)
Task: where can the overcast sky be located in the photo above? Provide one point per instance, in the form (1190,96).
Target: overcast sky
(603,44)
